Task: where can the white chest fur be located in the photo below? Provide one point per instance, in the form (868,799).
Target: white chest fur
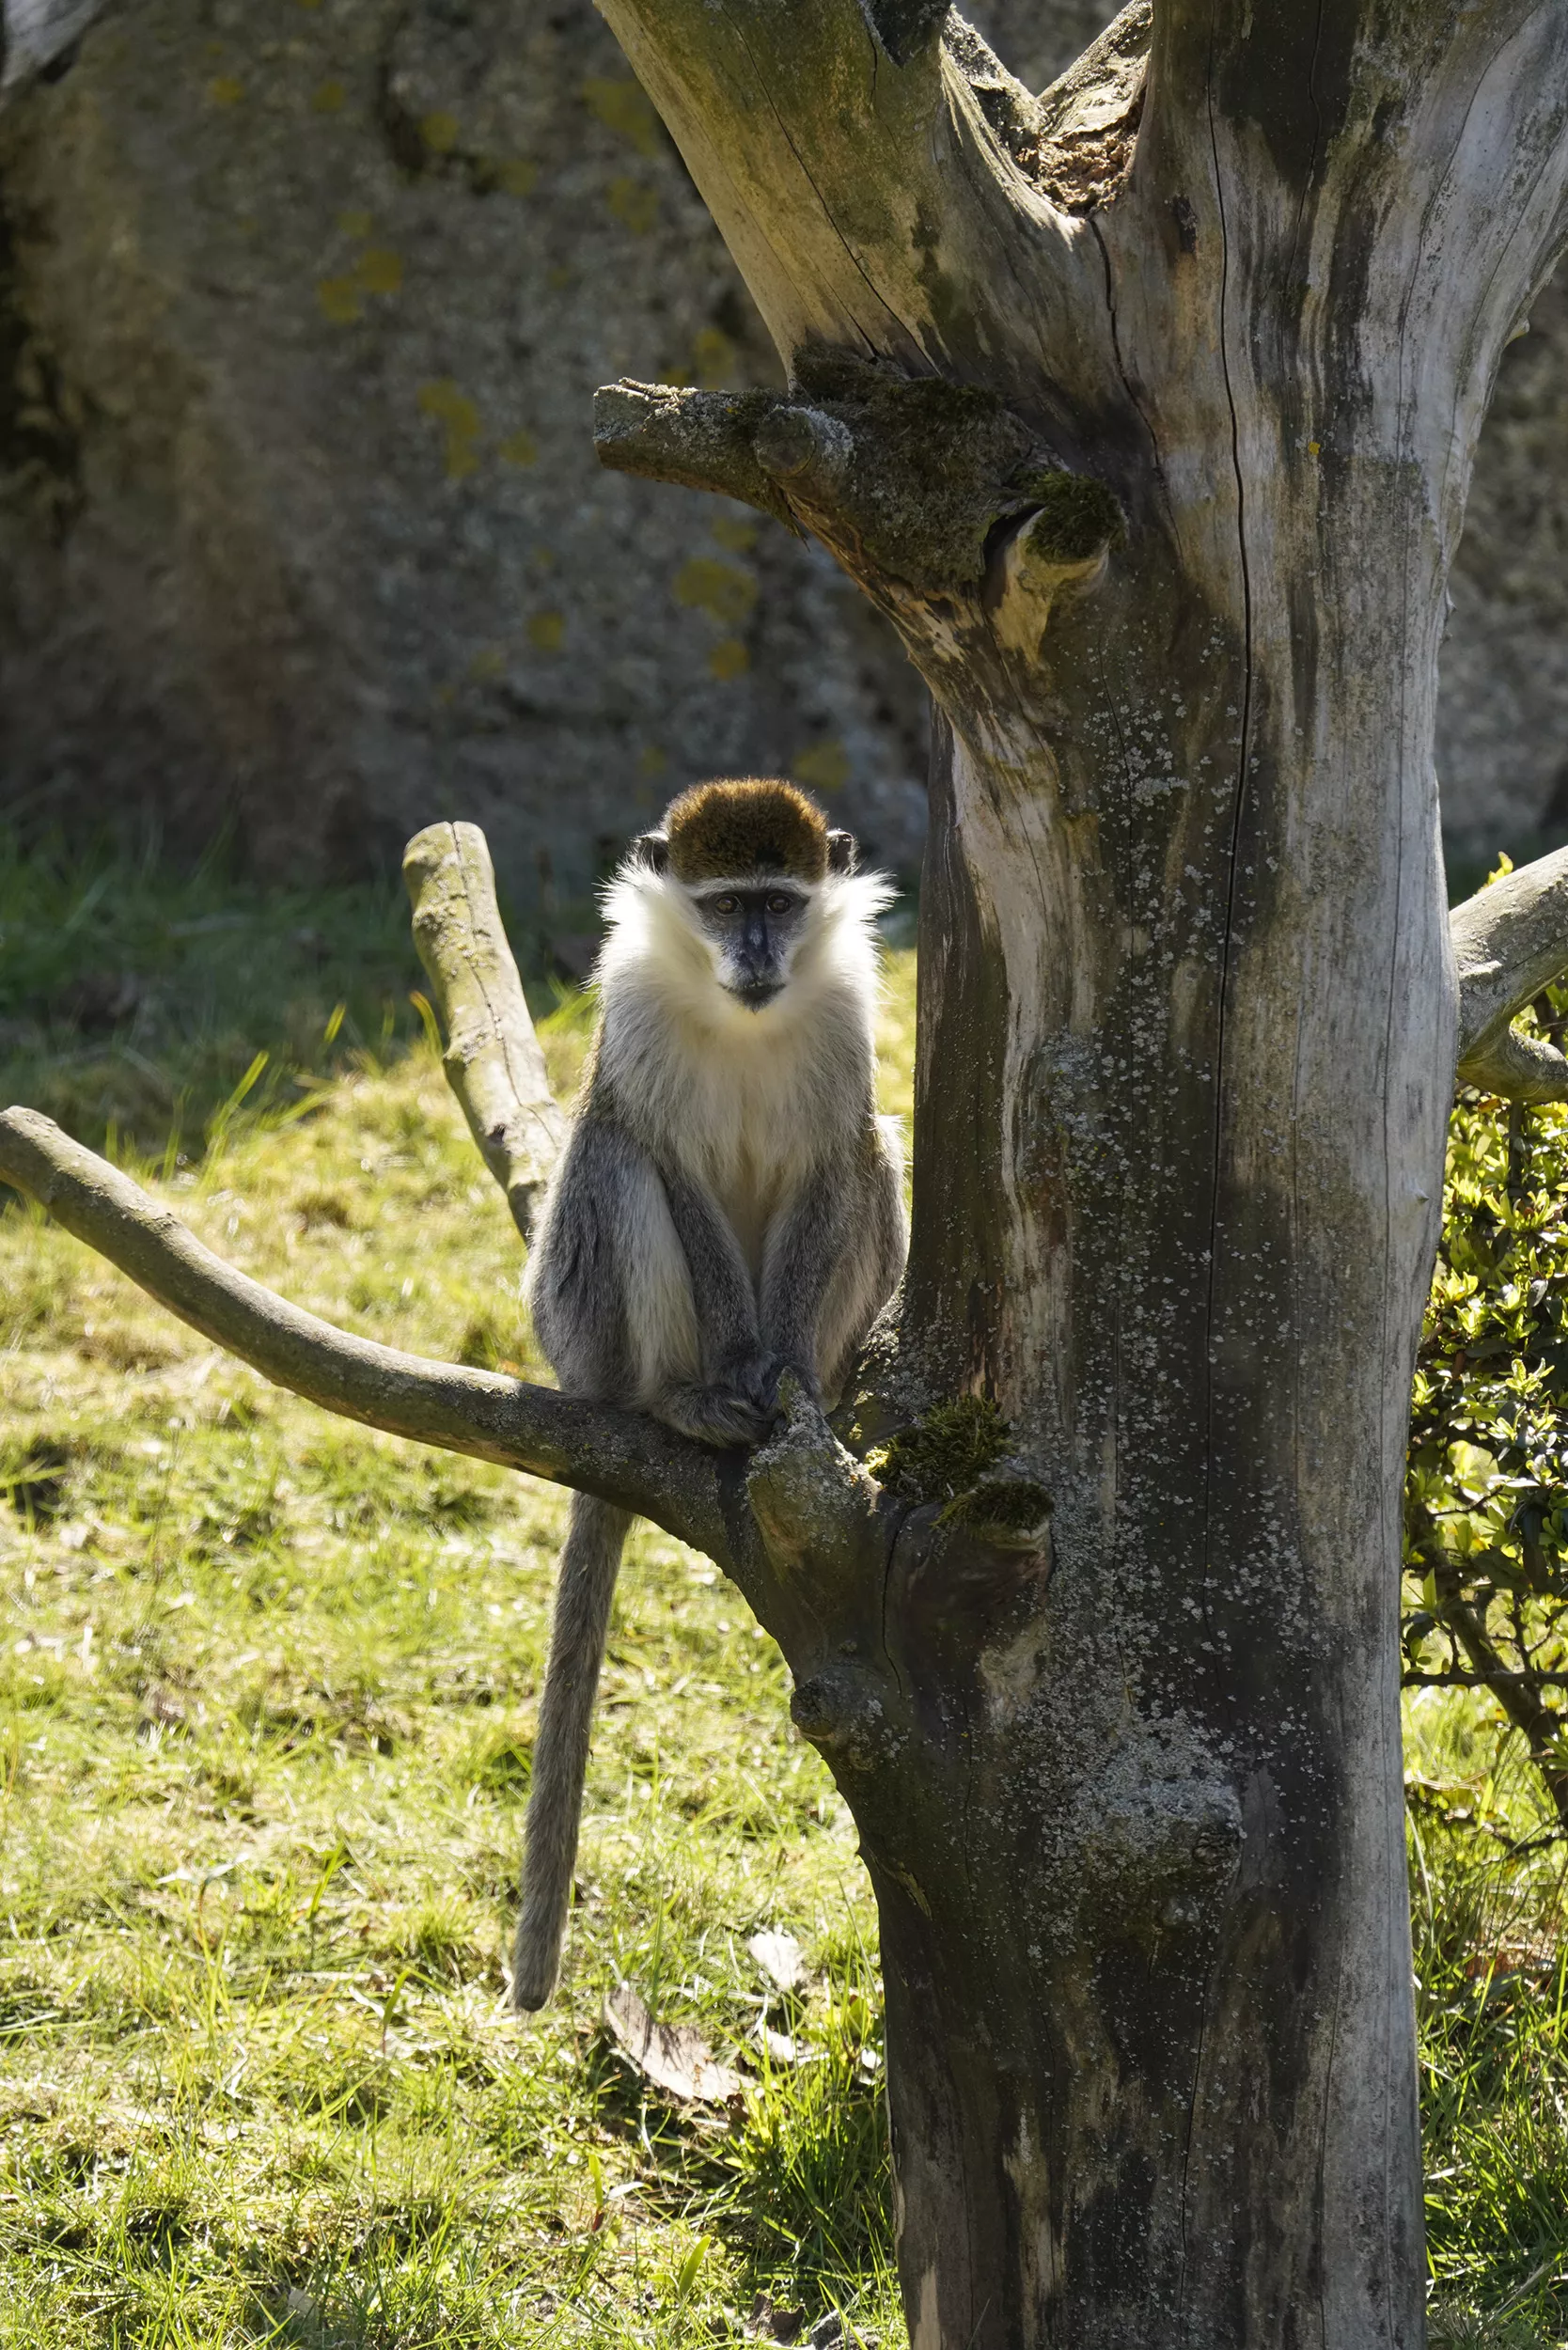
(746,1102)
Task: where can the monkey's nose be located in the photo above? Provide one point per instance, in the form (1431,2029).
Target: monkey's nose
(756,957)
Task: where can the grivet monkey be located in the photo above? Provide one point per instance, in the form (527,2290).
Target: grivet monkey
(729,1205)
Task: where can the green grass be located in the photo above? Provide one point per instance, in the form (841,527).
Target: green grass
(266,1708)
(267,1689)
(1492,1983)
(137,1002)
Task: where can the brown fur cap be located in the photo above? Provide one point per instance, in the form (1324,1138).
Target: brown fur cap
(718,831)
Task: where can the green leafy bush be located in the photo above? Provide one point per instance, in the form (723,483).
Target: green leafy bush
(1487,1491)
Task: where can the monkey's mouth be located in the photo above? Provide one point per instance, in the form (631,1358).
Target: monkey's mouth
(756,994)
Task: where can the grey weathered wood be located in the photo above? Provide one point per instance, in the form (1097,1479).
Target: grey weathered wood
(621,1455)
(1510,941)
(33,33)
(493,1060)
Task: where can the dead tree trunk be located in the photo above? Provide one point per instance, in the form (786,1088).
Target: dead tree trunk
(1146,411)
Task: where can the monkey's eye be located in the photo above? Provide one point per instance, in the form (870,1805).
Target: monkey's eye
(779,904)
(727,905)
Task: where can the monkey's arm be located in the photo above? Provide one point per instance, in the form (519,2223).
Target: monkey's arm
(735,1364)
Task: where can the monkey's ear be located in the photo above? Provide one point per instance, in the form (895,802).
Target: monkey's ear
(651,848)
(843,853)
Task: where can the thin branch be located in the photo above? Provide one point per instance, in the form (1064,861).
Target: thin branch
(1518,1694)
(1510,941)
(492,1060)
(1458,1679)
(621,1456)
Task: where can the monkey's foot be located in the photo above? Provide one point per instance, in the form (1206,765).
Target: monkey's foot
(716,1416)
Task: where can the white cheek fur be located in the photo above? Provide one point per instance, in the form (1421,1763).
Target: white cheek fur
(705,1065)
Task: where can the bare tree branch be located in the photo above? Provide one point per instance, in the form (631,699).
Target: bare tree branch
(622,1456)
(904,477)
(492,1060)
(1510,940)
(700,440)
(36,32)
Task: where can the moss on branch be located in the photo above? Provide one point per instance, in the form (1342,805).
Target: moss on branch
(1000,1505)
(934,465)
(945,1454)
(1077,517)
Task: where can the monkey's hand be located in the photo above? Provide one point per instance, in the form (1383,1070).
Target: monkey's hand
(757,1377)
(740,1406)
(719,1416)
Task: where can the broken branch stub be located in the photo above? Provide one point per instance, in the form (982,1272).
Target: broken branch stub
(1510,941)
(904,478)
(697,440)
(493,1060)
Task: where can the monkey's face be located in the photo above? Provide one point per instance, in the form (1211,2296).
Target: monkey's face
(752,930)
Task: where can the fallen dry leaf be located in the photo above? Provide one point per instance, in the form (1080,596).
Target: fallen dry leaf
(672,2056)
(782,2047)
(781,1958)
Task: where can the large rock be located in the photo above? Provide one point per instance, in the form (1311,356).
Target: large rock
(305,306)
(301,311)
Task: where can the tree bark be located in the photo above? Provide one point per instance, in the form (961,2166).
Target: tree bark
(1145,410)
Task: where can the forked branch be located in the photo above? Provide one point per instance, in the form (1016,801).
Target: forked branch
(621,1456)
(1510,941)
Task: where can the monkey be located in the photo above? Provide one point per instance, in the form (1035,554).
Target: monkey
(728,1206)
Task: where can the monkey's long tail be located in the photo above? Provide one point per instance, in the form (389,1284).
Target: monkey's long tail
(589,1564)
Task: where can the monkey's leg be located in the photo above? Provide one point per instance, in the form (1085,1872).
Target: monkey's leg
(803,1261)
(833,1258)
(589,1563)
